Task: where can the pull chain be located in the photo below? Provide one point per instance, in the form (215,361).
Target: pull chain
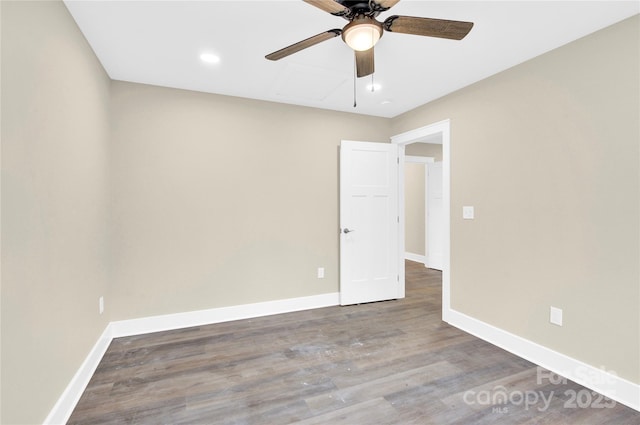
(355,70)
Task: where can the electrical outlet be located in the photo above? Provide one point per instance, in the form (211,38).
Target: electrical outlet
(320,272)
(101,305)
(555,316)
(468,213)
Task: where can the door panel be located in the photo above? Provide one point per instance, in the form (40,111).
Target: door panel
(369,210)
(435,220)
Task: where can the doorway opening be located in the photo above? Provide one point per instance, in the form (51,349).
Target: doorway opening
(437,133)
(416,185)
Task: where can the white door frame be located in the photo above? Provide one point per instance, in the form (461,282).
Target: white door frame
(436,131)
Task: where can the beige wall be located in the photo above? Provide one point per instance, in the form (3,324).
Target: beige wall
(414,211)
(55,99)
(220,201)
(425,149)
(548,154)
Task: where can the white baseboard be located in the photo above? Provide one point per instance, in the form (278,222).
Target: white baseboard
(66,403)
(222,314)
(415,257)
(606,383)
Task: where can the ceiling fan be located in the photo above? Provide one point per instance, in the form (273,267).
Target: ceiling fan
(363,31)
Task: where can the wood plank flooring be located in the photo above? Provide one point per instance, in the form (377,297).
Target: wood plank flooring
(391,362)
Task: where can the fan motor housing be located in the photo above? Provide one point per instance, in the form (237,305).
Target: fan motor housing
(359,7)
(355,4)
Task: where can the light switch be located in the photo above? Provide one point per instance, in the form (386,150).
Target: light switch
(468,213)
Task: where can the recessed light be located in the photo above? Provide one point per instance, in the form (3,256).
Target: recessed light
(385,102)
(209,58)
(374,87)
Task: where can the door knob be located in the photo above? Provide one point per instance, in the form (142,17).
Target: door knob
(347,230)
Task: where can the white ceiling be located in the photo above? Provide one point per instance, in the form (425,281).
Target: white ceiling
(159,43)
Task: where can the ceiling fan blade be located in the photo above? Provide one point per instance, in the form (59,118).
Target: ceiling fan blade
(387,4)
(441,28)
(364,63)
(330,6)
(301,45)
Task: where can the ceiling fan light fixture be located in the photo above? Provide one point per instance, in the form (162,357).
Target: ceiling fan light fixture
(362,33)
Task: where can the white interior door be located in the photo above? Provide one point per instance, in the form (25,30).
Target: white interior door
(435,219)
(368,222)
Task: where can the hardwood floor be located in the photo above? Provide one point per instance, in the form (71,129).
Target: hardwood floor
(391,362)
